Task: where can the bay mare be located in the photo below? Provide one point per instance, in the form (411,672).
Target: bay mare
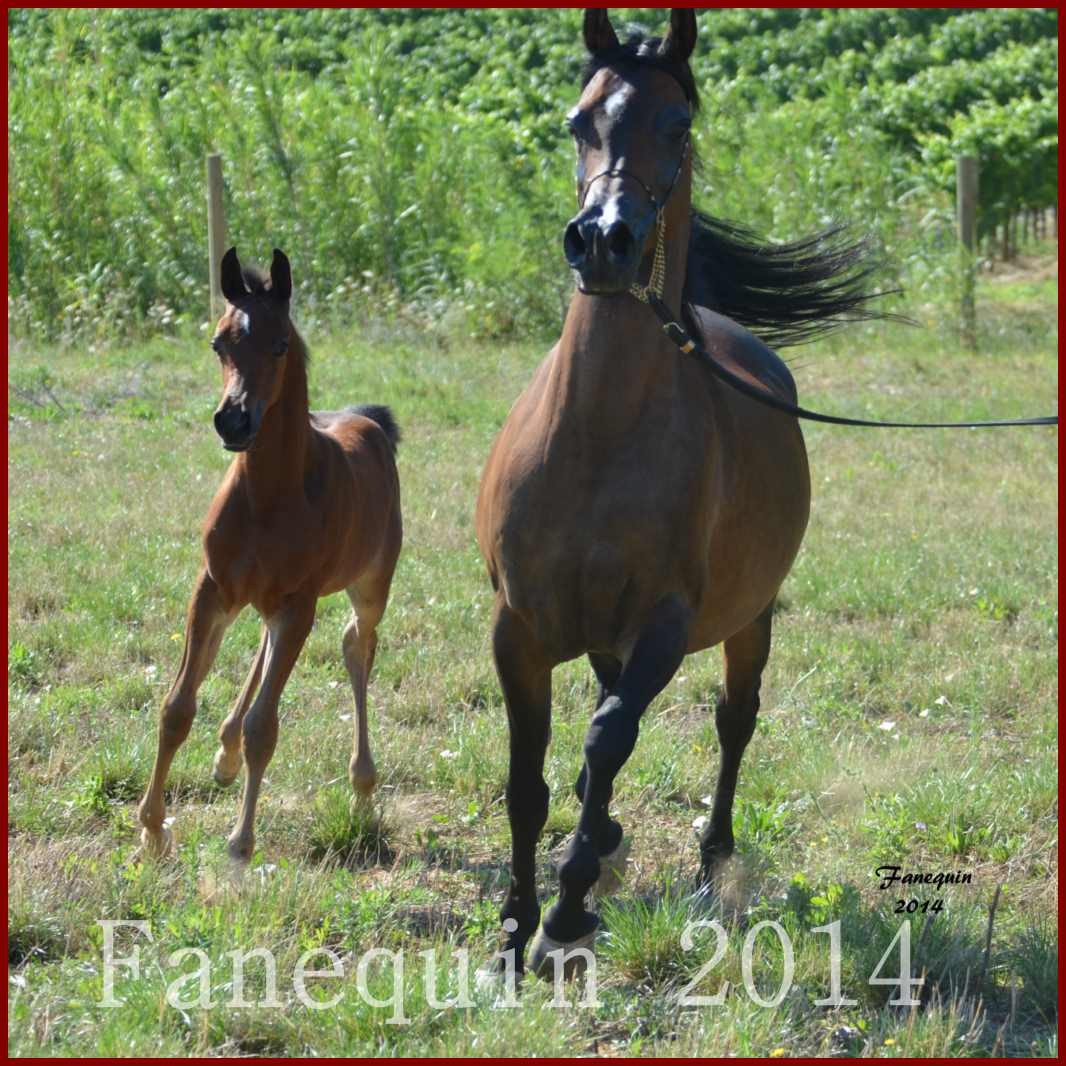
(633,508)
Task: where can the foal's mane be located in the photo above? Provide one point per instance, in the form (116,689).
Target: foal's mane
(784,293)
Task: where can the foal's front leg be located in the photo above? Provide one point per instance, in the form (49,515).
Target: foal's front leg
(610,739)
(286,633)
(206,621)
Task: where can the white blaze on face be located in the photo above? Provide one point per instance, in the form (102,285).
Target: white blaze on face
(616,102)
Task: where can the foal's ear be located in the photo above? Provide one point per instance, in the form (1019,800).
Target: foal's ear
(280,276)
(599,33)
(680,38)
(233,287)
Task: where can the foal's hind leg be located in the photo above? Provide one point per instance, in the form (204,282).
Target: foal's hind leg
(228,757)
(611,737)
(360,643)
(746,653)
(206,621)
(287,632)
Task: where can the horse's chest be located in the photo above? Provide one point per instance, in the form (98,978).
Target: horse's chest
(584,555)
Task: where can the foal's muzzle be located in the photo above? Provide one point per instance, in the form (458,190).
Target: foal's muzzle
(604,249)
(237,425)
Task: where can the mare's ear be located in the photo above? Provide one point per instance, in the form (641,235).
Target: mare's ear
(280,276)
(233,287)
(599,33)
(680,38)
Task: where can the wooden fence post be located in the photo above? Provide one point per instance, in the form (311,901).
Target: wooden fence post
(966,198)
(216,232)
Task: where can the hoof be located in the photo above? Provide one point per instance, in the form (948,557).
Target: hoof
(239,853)
(543,957)
(223,771)
(612,870)
(157,845)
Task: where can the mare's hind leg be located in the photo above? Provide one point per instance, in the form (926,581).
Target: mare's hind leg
(206,621)
(228,757)
(525,677)
(286,633)
(360,643)
(746,653)
(611,737)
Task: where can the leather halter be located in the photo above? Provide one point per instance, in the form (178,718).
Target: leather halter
(657,278)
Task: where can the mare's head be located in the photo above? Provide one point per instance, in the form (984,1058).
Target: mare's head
(252,342)
(631,130)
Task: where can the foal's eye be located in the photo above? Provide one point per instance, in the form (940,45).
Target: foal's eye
(216,345)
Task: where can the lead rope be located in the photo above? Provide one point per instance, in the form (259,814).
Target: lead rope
(652,294)
(683,339)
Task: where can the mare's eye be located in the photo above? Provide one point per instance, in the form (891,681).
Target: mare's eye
(281,347)
(678,129)
(216,345)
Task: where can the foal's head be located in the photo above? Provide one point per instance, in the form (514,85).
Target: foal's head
(252,342)
(631,129)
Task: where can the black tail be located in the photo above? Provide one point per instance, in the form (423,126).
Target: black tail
(784,293)
(383,416)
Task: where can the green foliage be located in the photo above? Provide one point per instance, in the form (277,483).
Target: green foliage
(412,161)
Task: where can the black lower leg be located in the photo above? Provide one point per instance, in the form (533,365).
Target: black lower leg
(525,677)
(608,834)
(735,726)
(610,740)
(527,809)
(746,653)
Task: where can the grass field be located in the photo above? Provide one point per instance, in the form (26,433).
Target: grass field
(909,718)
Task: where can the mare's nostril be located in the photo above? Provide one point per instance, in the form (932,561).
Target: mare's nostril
(574,245)
(619,240)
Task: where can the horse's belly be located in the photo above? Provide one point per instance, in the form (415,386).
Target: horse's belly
(586,587)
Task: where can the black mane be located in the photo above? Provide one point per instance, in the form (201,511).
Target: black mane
(784,293)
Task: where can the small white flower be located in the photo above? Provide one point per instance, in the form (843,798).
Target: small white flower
(707,800)
(447,753)
(699,823)
(887,726)
(924,712)
(346,717)
(940,701)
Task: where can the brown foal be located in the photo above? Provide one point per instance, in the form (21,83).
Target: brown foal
(309,506)
(635,509)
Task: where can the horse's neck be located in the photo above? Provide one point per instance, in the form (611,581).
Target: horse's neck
(613,359)
(275,467)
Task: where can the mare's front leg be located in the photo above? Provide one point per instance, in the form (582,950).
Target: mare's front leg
(609,834)
(746,653)
(286,632)
(611,738)
(206,621)
(525,677)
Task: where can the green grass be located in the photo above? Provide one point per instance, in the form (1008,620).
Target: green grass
(924,596)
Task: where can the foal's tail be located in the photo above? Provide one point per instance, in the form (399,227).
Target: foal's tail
(383,416)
